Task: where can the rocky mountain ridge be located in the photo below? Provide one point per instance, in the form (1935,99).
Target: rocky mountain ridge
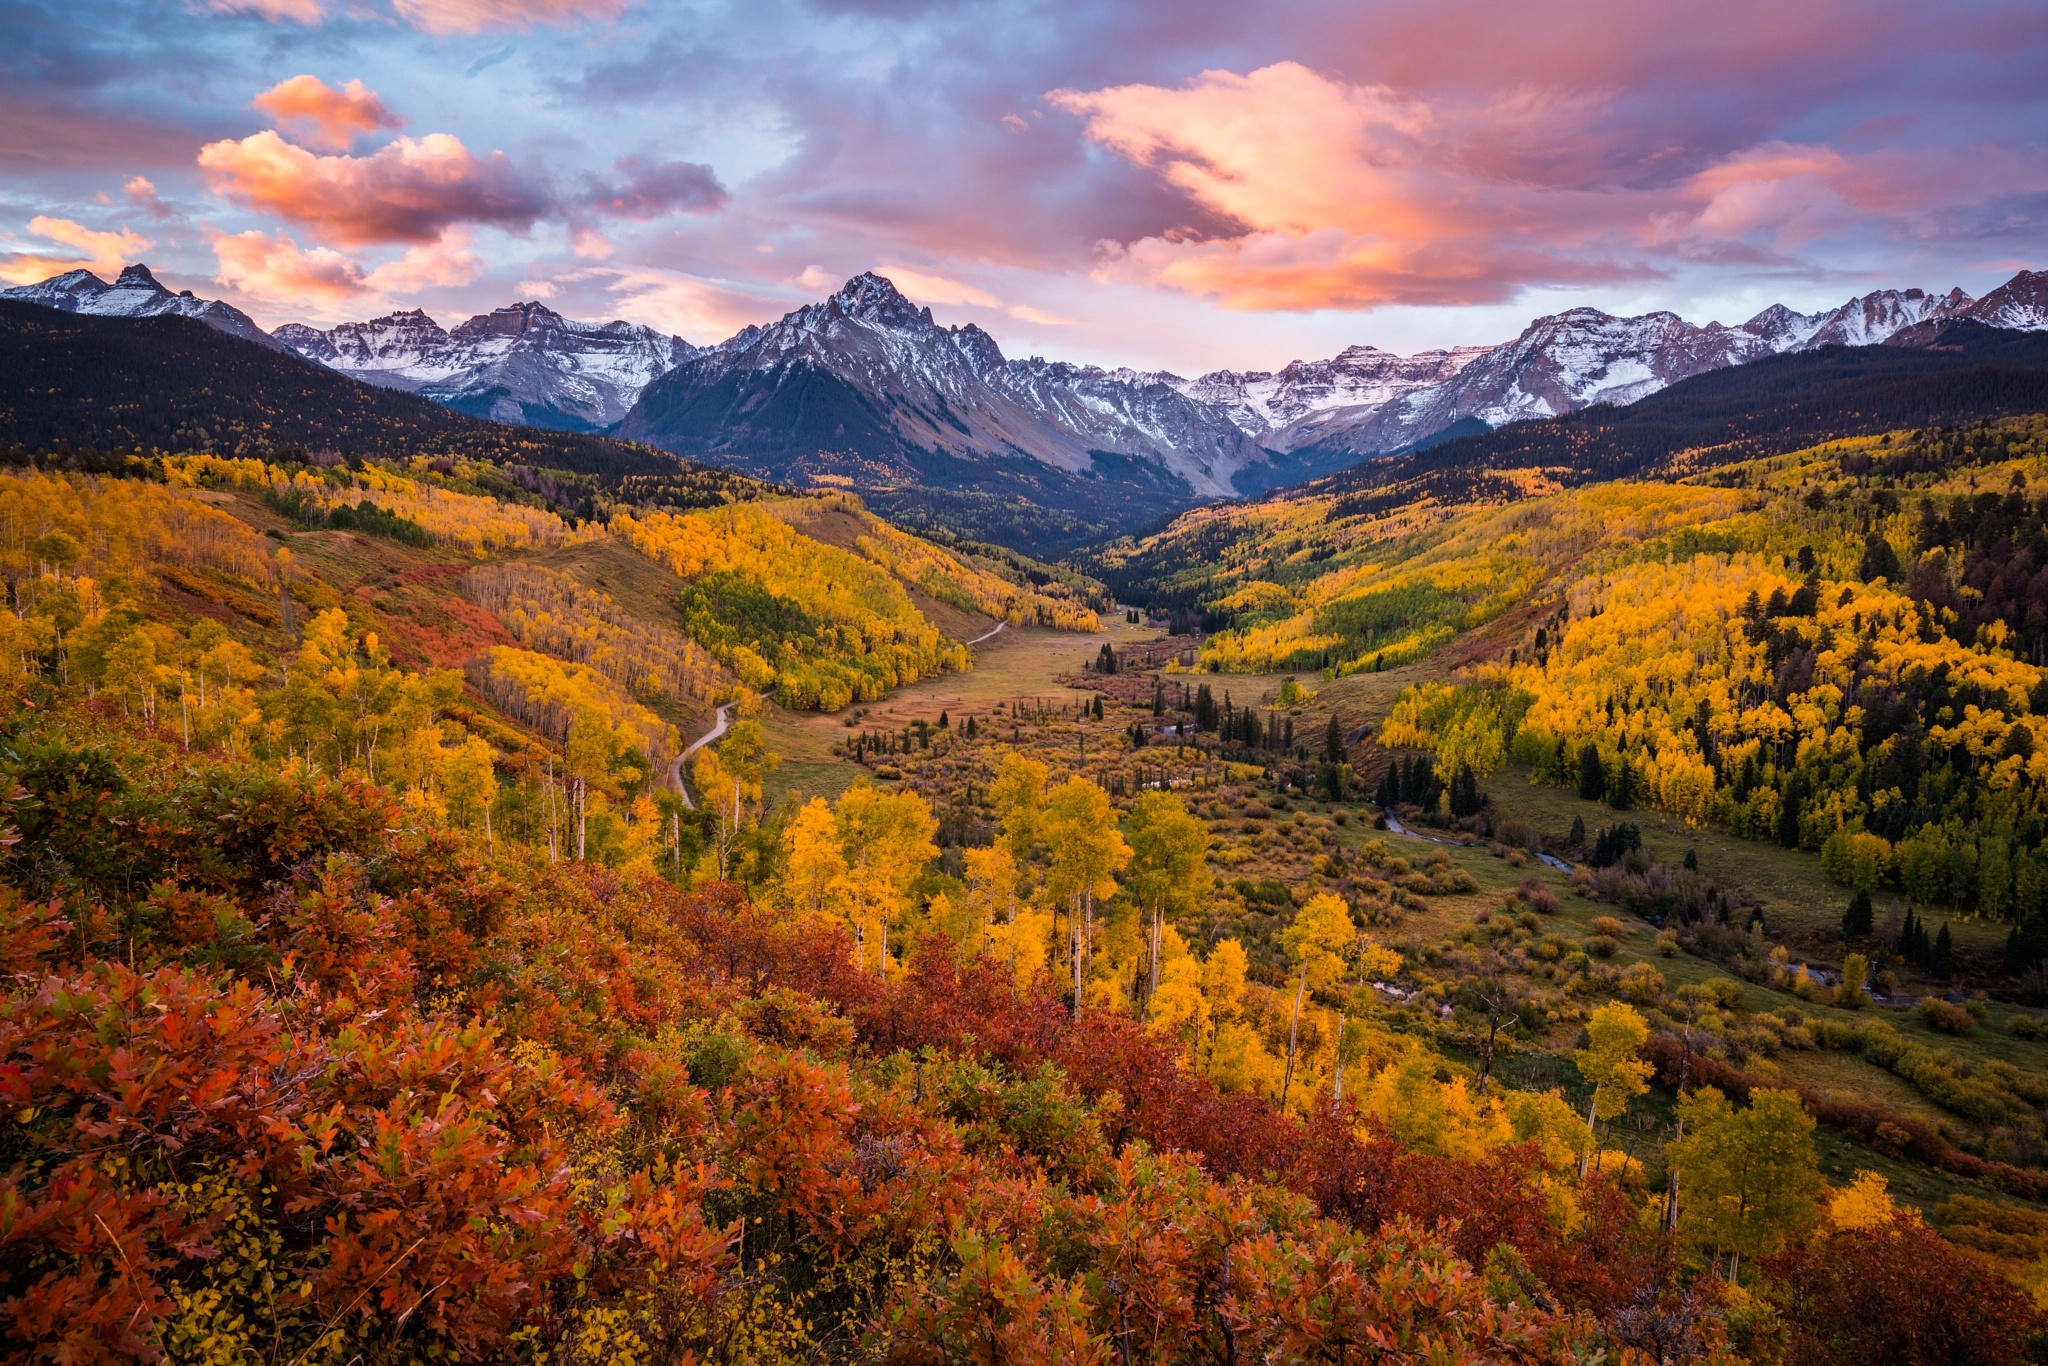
(866,388)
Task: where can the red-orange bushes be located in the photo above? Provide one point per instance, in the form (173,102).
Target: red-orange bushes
(1899,1294)
(418,1172)
(1392,1296)
(102,1074)
(448,1192)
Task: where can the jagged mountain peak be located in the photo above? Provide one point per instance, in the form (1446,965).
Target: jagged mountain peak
(135,293)
(137,276)
(873,298)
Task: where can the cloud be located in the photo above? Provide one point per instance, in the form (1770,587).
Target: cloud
(684,304)
(103,253)
(1026,313)
(142,190)
(937,289)
(538,289)
(410,190)
(326,117)
(276,269)
(276,11)
(441,264)
(649,189)
(1340,195)
(443,16)
(474,16)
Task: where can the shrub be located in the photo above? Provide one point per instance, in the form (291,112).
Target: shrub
(1609,926)
(2028,1026)
(1949,1019)
(1602,946)
(1667,943)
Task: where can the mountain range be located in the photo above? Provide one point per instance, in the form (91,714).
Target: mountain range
(866,389)
(523,363)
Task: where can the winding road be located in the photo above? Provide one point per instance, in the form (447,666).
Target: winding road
(720,720)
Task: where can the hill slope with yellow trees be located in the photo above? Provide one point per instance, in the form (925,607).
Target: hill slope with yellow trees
(369,995)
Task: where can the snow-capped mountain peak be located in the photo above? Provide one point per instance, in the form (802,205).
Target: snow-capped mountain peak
(521,363)
(135,293)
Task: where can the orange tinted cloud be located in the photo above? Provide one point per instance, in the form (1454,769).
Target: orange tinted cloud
(103,253)
(275,268)
(474,16)
(324,116)
(278,270)
(1345,195)
(410,190)
(1338,195)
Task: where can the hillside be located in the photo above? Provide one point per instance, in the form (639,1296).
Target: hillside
(79,383)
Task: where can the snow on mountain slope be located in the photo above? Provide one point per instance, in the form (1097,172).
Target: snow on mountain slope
(1368,402)
(523,363)
(869,374)
(135,293)
(2021,303)
(1869,319)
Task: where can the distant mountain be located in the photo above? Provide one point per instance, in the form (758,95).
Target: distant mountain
(932,422)
(1328,415)
(134,294)
(523,363)
(934,425)
(869,374)
(93,387)
(1943,370)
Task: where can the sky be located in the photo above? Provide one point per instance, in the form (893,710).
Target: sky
(1180,184)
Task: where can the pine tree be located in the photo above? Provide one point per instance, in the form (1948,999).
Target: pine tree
(1941,960)
(1857,920)
(1333,742)
(1592,777)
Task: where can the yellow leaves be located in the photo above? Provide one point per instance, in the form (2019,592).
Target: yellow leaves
(1864,1203)
(1443,1118)
(553,697)
(1087,850)
(1611,1059)
(1223,979)
(554,614)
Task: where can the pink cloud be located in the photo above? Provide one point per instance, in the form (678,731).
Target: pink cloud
(474,16)
(276,11)
(1342,195)
(276,269)
(1339,195)
(103,253)
(410,190)
(324,116)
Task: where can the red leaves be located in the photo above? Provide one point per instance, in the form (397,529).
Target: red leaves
(1395,1297)
(1900,1294)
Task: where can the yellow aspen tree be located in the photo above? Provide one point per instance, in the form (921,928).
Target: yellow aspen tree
(813,868)
(1321,935)
(1612,1061)
(1168,872)
(1018,794)
(1086,852)
(992,895)
(886,840)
